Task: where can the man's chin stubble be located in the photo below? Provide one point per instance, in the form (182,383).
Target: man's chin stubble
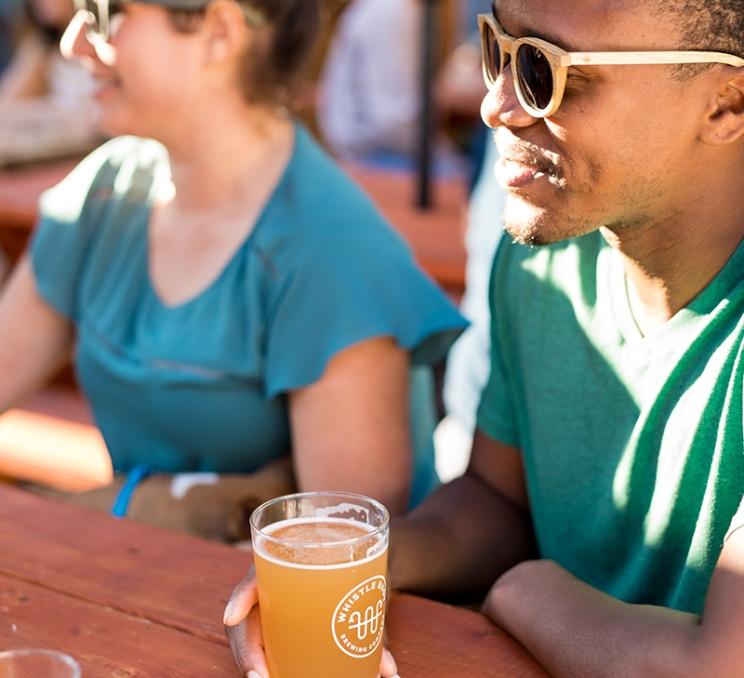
(545,231)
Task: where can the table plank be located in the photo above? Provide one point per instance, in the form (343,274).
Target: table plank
(146,572)
(105,641)
(465,644)
(21,187)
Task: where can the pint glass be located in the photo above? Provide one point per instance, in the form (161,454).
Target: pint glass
(321,560)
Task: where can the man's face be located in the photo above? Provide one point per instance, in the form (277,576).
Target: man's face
(616,152)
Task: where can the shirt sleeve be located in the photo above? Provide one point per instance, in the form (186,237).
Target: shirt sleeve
(349,287)
(62,234)
(497,412)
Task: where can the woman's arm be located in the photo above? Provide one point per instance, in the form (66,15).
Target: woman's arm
(350,429)
(35,340)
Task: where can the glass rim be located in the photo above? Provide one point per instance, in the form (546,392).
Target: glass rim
(315,544)
(67,659)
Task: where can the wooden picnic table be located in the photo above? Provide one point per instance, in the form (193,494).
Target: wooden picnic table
(20,189)
(130,601)
(436,235)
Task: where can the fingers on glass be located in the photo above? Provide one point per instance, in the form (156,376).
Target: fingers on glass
(253,652)
(388,667)
(243,597)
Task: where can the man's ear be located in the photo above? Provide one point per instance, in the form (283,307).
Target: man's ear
(224,30)
(724,121)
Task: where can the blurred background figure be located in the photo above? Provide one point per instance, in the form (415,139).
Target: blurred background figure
(10,22)
(369,101)
(46,104)
(369,106)
(469,360)
(459,91)
(470,9)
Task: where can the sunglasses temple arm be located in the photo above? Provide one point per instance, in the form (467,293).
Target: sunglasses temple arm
(648,58)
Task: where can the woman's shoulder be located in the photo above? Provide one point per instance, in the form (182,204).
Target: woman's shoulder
(119,149)
(124,167)
(317,204)
(125,152)
(322,184)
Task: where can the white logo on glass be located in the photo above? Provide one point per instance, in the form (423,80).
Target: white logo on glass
(359,618)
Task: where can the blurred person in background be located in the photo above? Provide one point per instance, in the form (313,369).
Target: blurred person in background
(10,23)
(46,102)
(222,311)
(459,94)
(369,101)
(459,89)
(469,359)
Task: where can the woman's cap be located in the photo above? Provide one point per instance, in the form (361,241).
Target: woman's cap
(254,16)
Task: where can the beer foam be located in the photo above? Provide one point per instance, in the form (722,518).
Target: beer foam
(319,542)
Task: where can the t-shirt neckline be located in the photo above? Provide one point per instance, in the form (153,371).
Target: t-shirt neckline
(702,304)
(262,218)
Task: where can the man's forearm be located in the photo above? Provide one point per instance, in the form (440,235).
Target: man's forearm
(459,540)
(575,630)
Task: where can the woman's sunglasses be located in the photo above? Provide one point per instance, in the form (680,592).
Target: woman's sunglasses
(98,15)
(539,68)
(100,12)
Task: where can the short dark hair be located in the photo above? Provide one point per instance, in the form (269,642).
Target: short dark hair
(715,25)
(280,51)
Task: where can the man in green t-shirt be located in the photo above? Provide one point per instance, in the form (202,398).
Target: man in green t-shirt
(607,472)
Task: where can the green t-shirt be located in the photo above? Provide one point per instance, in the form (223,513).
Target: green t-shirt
(632,445)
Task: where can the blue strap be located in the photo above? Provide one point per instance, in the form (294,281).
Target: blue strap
(134,478)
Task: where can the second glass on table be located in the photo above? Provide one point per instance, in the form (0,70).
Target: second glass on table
(321,562)
(37,663)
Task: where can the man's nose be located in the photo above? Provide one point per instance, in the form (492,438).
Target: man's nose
(501,107)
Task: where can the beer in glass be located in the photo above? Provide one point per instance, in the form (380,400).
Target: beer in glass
(321,561)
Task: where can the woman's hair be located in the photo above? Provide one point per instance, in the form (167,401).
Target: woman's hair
(283,42)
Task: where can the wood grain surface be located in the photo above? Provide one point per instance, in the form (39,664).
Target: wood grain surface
(132,601)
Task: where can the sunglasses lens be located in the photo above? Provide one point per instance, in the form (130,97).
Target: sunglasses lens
(535,77)
(491,53)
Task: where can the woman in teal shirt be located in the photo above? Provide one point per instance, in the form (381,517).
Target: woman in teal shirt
(230,295)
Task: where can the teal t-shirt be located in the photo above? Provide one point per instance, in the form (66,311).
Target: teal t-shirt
(201,386)
(632,446)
